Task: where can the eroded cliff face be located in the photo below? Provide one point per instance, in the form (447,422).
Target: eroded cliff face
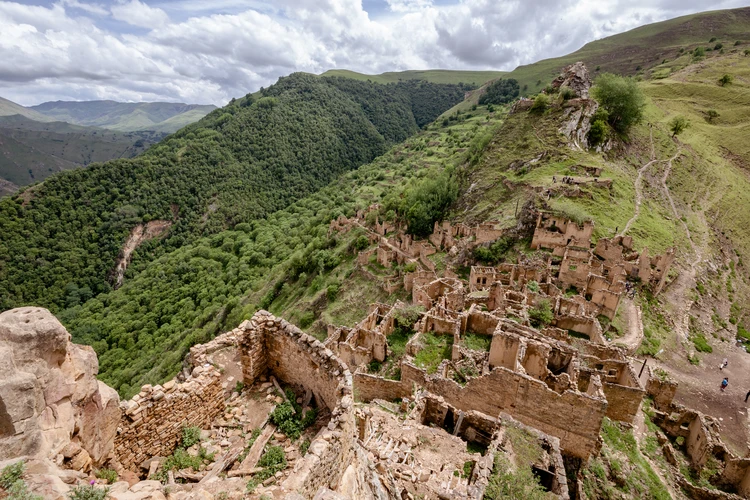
(51,404)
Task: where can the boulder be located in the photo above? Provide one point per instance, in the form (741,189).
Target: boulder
(49,394)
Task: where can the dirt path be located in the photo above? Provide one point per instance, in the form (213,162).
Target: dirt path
(634,334)
(639,189)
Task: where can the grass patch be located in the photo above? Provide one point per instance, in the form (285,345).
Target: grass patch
(435,348)
(477,342)
(700,343)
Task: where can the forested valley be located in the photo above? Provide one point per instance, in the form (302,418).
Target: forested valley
(239,164)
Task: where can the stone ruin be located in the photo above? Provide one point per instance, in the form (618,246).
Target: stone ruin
(697,436)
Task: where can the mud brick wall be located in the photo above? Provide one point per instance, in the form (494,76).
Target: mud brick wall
(573,417)
(153,420)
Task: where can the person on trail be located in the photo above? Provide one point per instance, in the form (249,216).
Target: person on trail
(724,383)
(724,364)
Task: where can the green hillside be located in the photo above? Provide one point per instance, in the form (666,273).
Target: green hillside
(31,151)
(238,164)
(10,108)
(125,117)
(630,53)
(475,78)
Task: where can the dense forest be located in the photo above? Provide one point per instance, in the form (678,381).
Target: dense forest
(240,163)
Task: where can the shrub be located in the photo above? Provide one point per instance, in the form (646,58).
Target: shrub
(567,93)
(332,292)
(621,98)
(304,447)
(410,267)
(711,115)
(747,52)
(88,492)
(272,461)
(533,286)
(190,436)
(12,473)
(427,202)
(180,460)
(597,133)
(718,46)
(107,474)
(495,252)
(307,319)
(678,124)
(362,242)
(541,103)
(701,344)
(725,80)
(541,315)
(699,52)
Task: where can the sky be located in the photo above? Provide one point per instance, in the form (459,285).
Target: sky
(207,52)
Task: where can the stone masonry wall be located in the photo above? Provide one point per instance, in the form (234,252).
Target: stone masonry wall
(572,417)
(299,359)
(152,421)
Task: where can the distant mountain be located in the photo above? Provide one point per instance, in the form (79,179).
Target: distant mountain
(126,117)
(31,151)
(9,108)
(477,78)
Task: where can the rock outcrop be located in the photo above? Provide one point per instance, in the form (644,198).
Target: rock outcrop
(51,404)
(576,77)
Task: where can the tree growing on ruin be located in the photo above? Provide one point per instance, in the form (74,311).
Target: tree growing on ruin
(621,98)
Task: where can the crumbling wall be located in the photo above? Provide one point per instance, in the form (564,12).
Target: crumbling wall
(368,387)
(154,418)
(573,417)
(301,360)
(661,389)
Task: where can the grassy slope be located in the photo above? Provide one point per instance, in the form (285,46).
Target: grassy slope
(9,108)
(432,75)
(643,47)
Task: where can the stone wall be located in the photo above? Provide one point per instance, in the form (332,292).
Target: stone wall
(153,420)
(572,417)
(662,390)
(368,387)
(301,360)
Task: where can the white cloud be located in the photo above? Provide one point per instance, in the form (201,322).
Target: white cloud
(408,5)
(140,14)
(87,7)
(69,50)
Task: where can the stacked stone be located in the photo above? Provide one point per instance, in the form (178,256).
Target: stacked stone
(297,358)
(153,419)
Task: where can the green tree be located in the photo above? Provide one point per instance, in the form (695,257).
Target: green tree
(678,124)
(725,80)
(711,115)
(621,98)
(500,91)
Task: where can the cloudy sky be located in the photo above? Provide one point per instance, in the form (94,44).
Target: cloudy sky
(209,51)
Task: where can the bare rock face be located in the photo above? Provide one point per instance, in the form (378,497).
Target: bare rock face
(576,76)
(51,404)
